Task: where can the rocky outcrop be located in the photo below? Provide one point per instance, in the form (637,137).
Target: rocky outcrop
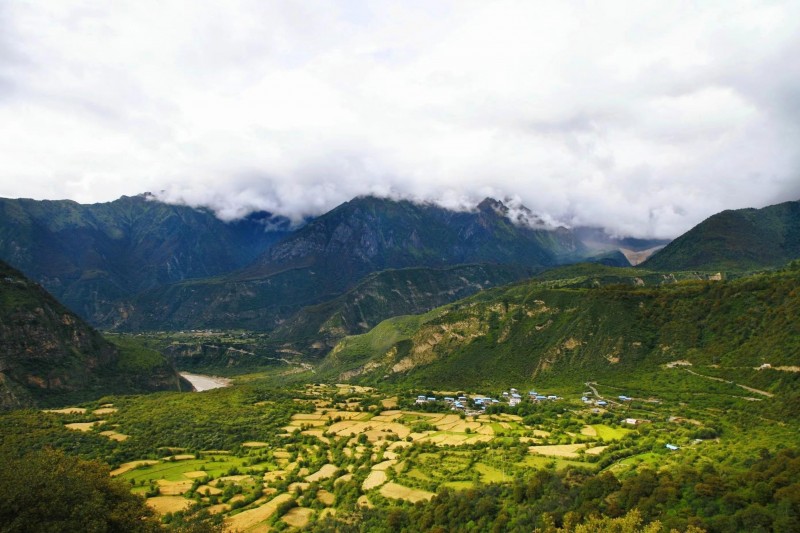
(47,351)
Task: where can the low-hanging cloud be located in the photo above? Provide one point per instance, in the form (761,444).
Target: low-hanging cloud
(643,118)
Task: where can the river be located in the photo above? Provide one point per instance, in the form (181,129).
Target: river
(201,382)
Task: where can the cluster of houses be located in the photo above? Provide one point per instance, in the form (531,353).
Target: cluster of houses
(512,397)
(603,403)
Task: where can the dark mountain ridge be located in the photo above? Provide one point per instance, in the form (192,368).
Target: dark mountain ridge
(333,253)
(48,353)
(92,257)
(741,239)
(369,234)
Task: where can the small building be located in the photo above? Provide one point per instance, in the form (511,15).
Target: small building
(672,447)
(449,399)
(431,398)
(421,399)
(602,402)
(624,398)
(514,401)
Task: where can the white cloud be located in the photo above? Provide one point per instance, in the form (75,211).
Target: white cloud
(642,117)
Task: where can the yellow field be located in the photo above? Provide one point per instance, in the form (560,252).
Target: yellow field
(597,450)
(298,486)
(195,474)
(344,479)
(67,411)
(130,466)
(254,444)
(269,477)
(173,488)
(319,433)
(307,416)
(389,403)
(375,431)
(247,519)
(113,435)
(558,450)
(168,504)
(325,472)
(384,464)
(376,478)
(84,426)
(207,490)
(399,492)
(327,498)
(105,411)
(589,431)
(298,517)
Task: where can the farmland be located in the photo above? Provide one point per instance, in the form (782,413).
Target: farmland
(307,455)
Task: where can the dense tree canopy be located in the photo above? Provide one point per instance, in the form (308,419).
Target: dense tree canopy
(48,491)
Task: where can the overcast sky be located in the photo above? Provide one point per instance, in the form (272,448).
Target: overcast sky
(644,117)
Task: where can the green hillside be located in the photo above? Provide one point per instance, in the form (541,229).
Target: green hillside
(50,356)
(568,331)
(739,240)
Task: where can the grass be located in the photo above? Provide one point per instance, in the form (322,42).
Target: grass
(491,475)
(610,433)
(540,461)
(215,466)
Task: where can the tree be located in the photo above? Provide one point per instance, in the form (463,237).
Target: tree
(48,491)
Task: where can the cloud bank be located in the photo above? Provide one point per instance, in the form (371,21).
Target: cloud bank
(641,117)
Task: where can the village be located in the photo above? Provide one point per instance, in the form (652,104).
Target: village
(477,403)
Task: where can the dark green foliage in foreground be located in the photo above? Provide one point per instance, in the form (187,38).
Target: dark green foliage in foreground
(765,496)
(48,491)
(213,420)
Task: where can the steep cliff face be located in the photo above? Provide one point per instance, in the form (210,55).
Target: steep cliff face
(47,352)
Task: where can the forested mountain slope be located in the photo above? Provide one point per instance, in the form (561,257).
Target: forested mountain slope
(742,239)
(47,353)
(576,330)
(329,256)
(92,257)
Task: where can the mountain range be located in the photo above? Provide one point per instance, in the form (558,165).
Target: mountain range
(354,284)
(139,264)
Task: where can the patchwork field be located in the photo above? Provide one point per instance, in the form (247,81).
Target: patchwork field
(347,440)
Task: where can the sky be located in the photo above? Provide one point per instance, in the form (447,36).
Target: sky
(643,117)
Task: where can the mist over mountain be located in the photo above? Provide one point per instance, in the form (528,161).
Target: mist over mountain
(93,256)
(332,253)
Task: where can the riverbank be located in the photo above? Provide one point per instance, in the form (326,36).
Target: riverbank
(202,383)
